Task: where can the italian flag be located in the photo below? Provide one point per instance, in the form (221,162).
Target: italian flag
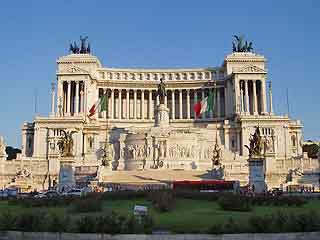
(206,105)
(100,105)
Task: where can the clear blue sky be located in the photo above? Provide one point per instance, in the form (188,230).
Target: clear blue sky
(158,33)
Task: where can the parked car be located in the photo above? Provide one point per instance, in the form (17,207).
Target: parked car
(48,194)
(12,192)
(3,194)
(74,192)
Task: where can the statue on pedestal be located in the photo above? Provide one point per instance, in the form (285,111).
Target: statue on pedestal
(256,144)
(161,91)
(66,143)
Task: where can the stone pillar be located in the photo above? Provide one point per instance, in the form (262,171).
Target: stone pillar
(173,111)
(203,97)
(257,174)
(142,104)
(119,104)
(135,103)
(81,101)
(52,100)
(246,96)
(238,141)
(150,104)
(270,100)
(128,103)
(263,97)
(69,99)
(255,105)
(237,94)
(112,104)
(188,103)
(105,93)
(226,134)
(77,99)
(59,98)
(180,104)
(166,100)
(218,103)
(241,100)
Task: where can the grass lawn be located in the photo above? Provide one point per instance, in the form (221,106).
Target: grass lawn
(188,215)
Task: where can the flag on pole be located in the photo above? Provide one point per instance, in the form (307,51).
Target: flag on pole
(100,105)
(206,105)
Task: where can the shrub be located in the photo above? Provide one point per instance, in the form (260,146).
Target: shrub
(138,225)
(86,224)
(196,195)
(281,222)
(164,201)
(58,223)
(111,224)
(234,203)
(216,229)
(87,205)
(30,222)
(123,195)
(7,221)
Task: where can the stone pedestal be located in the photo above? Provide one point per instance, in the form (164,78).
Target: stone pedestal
(257,174)
(66,174)
(162,118)
(104,172)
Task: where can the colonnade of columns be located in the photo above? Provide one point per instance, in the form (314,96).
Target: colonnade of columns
(252,97)
(141,103)
(70,98)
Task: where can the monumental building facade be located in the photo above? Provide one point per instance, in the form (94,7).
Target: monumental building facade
(136,139)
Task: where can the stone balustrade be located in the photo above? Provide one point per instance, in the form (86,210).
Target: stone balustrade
(154,75)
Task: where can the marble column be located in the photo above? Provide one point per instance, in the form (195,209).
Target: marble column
(180,104)
(237,94)
(166,101)
(255,105)
(270,100)
(263,97)
(81,100)
(59,98)
(246,96)
(150,104)
(226,100)
(105,93)
(142,104)
(52,100)
(128,104)
(112,104)
(203,97)
(188,103)
(77,99)
(173,111)
(241,99)
(218,103)
(135,103)
(120,104)
(69,99)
